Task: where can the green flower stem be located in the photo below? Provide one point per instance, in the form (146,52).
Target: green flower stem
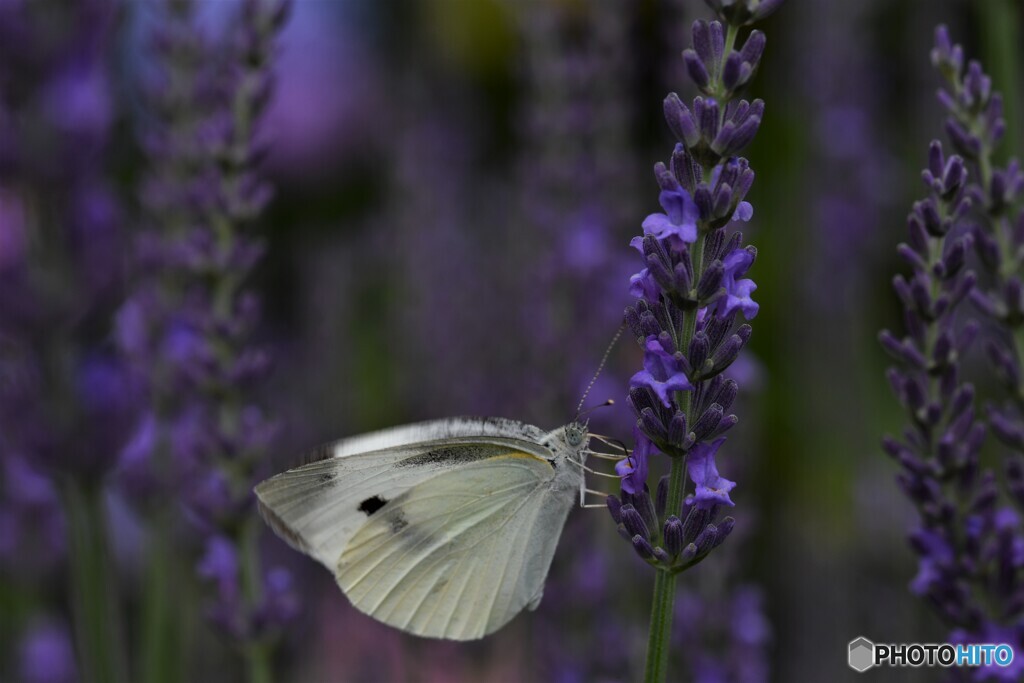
(257,653)
(162,647)
(999,21)
(99,642)
(662,609)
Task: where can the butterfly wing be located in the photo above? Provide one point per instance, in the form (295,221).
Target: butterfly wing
(460,554)
(434,430)
(317,507)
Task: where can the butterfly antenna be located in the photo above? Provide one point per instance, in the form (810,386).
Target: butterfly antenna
(600,367)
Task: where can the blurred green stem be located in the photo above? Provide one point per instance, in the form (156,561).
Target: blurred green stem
(99,642)
(161,636)
(1000,21)
(257,652)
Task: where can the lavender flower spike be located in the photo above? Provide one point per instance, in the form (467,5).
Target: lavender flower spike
(689,294)
(188,328)
(967,534)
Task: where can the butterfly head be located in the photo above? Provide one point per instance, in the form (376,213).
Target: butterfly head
(576,434)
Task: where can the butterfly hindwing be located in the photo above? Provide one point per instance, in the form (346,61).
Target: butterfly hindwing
(460,554)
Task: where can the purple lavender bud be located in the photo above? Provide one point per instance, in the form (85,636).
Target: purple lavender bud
(946,56)
(632,320)
(634,522)
(977,86)
(699,350)
(987,247)
(725,528)
(681,122)
(706,113)
(710,282)
(1007,430)
(645,506)
(649,325)
(731,71)
(724,425)
(652,426)
(696,520)
(953,177)
(696,69)
(689,553)
(716,329)
(753,48)
(677,429)
(726,353)
(733,137)
(713,245)
(674,536)
(722,201)
(911,257)
(643,547)
(661,556)
(726,394)
(967,144)
(703,199)
(954,259)
(936,161)
(702,42)
(943,348)
(920,290)
(962,399)
(684,169)
(707,422)
(706,539)
(614,508)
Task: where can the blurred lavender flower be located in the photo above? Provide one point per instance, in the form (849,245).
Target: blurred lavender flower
(727,633)
(188,328)
(970,568)
(66,402)
(689,294)
(46,654)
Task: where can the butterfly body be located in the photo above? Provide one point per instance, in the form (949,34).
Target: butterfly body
(443,529)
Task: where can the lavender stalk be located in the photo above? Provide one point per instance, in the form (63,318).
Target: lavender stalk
(189,326)
(968,568)
(684,319)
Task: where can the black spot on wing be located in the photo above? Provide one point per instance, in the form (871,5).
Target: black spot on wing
(371,505)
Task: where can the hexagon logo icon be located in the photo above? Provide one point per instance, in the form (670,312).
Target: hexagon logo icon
(862,654)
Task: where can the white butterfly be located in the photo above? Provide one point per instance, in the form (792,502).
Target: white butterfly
(443,529)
